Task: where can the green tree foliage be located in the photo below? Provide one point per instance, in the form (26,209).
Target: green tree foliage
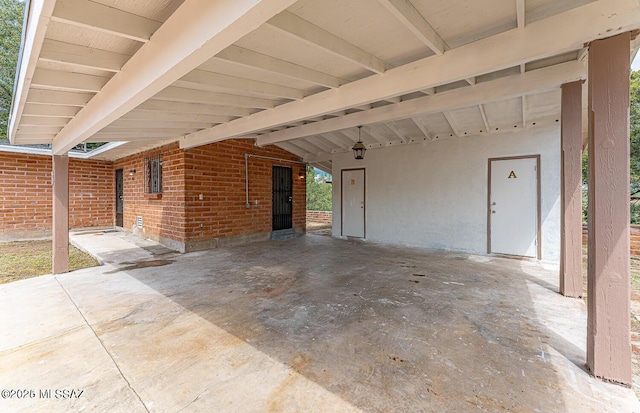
(11,14)
(634,172)
(318,192)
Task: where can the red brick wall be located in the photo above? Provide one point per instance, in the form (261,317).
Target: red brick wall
(217,171)
(320,216)
(162,215)
(91,193)
(26,190)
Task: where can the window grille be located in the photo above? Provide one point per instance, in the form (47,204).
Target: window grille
(153,174)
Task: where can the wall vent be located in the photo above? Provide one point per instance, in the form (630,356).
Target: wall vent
(139,222)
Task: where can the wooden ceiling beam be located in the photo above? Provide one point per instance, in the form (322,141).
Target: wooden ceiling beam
(293,26)
(249,58)
(67,81)
(196,31)
(194,108)
(537,40)
(57,111)
(406,13)
(520,14)
(81,56)
(202,79)
(106,19)
(503,88)
(179,94)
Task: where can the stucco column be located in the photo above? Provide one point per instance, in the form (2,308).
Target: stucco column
(608,295)
(571,193)
(60,214)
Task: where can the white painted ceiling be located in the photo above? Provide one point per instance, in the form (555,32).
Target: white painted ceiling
(316,51)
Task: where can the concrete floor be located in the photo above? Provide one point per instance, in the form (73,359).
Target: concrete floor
(308,325)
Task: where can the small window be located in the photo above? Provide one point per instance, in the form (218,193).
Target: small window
(153,175)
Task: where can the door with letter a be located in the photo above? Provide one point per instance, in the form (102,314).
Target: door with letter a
(353,203)
(514,206)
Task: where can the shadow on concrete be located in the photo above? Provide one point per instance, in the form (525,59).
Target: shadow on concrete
(385,328)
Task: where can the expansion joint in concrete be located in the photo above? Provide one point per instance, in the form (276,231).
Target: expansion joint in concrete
(102,344)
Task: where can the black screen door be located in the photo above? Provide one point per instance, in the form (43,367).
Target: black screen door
(119,196)
(282,198)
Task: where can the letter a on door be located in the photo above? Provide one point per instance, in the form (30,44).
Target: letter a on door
(513,206)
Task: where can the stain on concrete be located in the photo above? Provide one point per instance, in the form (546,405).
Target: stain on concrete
(130,266)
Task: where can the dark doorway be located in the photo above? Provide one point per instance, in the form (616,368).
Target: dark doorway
(282,198)
(119,196)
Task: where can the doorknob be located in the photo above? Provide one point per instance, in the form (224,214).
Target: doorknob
(493,211)
(493,203)
(290,198)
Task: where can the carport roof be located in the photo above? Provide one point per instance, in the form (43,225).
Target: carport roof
(299,74)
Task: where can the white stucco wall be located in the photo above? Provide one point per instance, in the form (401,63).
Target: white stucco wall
(434,194)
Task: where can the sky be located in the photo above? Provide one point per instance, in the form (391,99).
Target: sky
(635,65)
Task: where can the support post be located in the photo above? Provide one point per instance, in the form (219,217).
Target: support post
(571,193)
(608,324)
(60,214)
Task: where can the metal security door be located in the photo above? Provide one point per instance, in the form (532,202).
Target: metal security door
(514,206)
(282,179)
(119,198)
(353,203)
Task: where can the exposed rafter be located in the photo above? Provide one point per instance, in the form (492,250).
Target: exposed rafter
(198,108)
(55,51)
(175,117)
(296,27)
(499,89)
(57,97)
(43,121)
(397,131)
(106,19)
(58,80)
(485,120)
(50,110)
(452,123)
(520,14)
(377,136)
(194,33)
(179,94)
(133,124)
(270,64)
(204,80)
(407,14)
(537,40)
(423,128)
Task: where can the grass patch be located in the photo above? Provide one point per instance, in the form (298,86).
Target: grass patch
(26,259)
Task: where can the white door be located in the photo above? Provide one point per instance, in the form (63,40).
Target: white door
(353,206)
(513,206)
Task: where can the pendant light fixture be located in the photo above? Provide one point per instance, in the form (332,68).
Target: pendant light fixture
(359,149)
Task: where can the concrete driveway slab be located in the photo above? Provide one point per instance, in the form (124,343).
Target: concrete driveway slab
(316,325)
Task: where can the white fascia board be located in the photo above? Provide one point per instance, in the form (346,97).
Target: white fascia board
(192,35)
(42,151)
(555,35)
(38,18)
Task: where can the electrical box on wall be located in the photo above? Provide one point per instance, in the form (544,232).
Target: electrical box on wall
(139,221)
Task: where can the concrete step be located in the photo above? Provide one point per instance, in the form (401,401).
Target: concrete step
(284,234)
